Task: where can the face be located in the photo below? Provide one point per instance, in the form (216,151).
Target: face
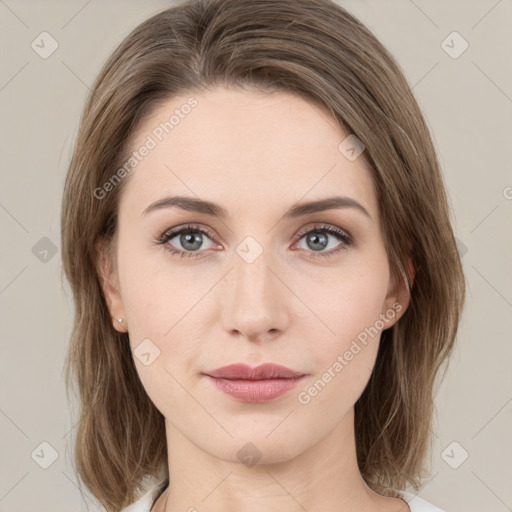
(310,291)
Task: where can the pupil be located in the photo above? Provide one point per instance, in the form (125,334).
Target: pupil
(316,239)
(191,238)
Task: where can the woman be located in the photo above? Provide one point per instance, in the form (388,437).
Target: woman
(266,280)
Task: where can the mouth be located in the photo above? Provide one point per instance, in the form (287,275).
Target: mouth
(263,371)
(256,391)
(260,384)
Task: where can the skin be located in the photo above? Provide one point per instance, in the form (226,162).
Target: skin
(256,155)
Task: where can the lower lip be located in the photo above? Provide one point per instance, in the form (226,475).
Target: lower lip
(256,391)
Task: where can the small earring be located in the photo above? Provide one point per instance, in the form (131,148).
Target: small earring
(119,322)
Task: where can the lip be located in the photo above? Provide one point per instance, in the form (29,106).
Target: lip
(260,384)
(246,372)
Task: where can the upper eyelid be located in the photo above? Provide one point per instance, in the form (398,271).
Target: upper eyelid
(172,232)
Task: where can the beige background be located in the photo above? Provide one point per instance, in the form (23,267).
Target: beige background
(467,102)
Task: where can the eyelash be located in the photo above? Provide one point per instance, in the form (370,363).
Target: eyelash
(342,236)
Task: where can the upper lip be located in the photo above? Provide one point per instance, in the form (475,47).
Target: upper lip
(261,372)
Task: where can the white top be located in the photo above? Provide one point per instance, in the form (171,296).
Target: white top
(146,501)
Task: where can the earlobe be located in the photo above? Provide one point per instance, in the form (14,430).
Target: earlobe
(110,285)
(119,325)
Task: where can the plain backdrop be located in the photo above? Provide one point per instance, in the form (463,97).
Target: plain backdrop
(466,97)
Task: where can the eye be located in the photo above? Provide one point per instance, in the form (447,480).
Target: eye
(190,238)
(317,239)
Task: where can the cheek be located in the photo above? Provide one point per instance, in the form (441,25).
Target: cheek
(343,359)
(348,300)
(160,307)
(348,304)
(153,293)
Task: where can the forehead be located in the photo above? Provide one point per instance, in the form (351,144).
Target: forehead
(232,145)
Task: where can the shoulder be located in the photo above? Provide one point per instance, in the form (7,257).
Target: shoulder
(417,504)
(152,489)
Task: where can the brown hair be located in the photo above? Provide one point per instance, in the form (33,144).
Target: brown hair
(316,49)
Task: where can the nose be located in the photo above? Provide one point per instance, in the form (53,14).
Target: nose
(254,300)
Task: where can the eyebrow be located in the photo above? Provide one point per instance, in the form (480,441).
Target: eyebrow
(298,210)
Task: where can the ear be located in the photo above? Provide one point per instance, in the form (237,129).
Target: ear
(399,295)
(110,283)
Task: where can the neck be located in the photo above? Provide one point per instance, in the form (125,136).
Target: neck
(323,477)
